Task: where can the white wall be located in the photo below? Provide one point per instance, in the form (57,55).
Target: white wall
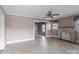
(2,11)
(2,31)
(19,28)
(2,37)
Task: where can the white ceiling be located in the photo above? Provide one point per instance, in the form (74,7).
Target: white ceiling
(38,11)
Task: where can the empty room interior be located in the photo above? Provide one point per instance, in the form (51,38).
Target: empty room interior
(39,29)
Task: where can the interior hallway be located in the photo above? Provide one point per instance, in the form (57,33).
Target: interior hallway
(42,46)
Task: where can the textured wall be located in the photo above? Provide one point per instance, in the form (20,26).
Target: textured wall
(19,28)
(66,22)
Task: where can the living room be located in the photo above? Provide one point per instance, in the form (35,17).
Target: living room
(39,29)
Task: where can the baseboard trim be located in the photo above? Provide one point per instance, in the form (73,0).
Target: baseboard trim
(12,42)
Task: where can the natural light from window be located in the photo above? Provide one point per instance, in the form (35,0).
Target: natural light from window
(43,27)
(54,26)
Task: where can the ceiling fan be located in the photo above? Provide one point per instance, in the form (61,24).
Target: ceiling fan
(50,14)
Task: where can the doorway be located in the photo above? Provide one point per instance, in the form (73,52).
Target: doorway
(40,28)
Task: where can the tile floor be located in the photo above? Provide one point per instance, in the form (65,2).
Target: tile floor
(42,45)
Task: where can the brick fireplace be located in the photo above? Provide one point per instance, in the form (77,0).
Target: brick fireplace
(66,29)
(66,34)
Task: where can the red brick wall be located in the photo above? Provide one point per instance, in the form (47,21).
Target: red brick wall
(66,22)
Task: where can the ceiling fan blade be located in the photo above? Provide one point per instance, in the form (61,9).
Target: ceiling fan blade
(55,14)
(48,17)
(45,17)
(51,16)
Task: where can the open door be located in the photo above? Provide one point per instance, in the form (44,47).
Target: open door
(2,38)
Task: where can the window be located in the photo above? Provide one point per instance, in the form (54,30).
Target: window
(54,26)
(43,27)
(78,22)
